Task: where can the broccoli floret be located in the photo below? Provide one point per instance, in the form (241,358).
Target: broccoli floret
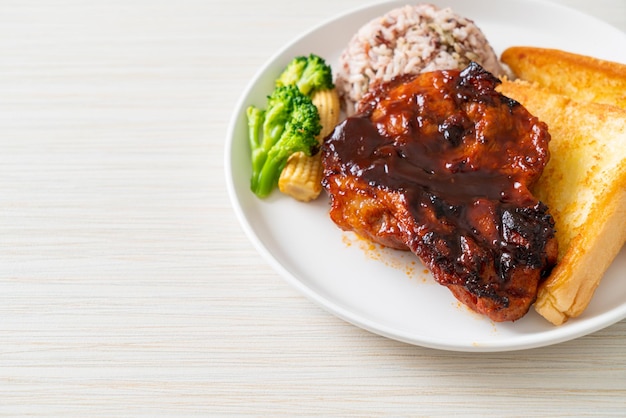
(291,74)
(308,73)
(280,105)
(289,124)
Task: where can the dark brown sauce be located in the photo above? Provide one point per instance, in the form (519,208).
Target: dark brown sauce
(414,165)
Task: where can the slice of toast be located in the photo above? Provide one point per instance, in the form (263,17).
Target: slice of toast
(584,186)
(580,77)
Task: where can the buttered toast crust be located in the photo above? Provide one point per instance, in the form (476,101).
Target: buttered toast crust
(584,186)
(583,78)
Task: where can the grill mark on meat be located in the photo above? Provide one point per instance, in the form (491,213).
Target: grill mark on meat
(441,164)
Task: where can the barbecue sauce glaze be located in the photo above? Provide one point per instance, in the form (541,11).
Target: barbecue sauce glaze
(463,157)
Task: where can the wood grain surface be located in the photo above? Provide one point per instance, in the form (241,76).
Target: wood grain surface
(127,287)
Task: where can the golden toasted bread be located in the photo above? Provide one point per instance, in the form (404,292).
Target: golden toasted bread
(583,78)
(584,186)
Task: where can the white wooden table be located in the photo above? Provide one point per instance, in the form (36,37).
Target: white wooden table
(128,288)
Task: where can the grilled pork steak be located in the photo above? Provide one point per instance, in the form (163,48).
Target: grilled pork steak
(441,164)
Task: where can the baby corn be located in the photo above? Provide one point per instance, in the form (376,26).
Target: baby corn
(302,175)
(327,103)
(301,178)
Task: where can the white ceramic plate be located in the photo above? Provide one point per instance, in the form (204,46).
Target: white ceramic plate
(385,291)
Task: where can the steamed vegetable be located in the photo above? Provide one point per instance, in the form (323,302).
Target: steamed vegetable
(301,178)
(289,124)
(309,74)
